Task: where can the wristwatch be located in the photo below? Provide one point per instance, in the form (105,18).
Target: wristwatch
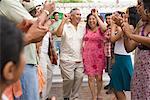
(47,12)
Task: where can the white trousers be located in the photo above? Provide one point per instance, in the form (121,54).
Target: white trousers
(72,74)
(47,71)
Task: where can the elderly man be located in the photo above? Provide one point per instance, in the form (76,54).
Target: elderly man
(70,54)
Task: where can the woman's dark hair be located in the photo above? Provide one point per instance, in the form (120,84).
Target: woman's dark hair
(147,4)
(121,13)
(55,13)
(108,14)
(87,25)
(11,43)
(133,16)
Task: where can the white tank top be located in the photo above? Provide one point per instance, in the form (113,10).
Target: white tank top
(119,47)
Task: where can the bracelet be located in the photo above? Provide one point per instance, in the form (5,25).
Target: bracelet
(47,12)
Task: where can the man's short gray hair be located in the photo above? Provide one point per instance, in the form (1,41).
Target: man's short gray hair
(72,10)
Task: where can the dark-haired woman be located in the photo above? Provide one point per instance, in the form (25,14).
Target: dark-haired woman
(93,52)
(122,68)
(141,40)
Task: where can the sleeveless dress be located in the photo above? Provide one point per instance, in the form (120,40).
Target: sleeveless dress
(141,79)
(93,52)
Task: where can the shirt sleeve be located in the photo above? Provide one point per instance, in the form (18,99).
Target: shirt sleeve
(65,28)
(14,10)
(52,27)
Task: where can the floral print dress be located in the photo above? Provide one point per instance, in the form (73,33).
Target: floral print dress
(141,79)
(93,52)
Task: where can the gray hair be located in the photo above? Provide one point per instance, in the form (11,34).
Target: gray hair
(74,9)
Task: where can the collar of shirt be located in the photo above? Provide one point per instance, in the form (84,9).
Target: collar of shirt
(70,25)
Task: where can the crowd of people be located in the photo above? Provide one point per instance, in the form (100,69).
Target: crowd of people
(31,42)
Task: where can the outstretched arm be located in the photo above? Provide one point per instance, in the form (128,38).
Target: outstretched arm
(100,22)
(59,31)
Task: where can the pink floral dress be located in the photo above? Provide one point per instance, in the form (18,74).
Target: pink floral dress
(93,52)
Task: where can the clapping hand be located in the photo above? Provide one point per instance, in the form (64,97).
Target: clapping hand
(48,6)
(24,25)
(117,19)
(34,34)
(126,29)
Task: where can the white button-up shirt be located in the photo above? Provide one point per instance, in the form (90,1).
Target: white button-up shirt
(72,42)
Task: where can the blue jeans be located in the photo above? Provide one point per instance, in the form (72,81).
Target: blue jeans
(29,82)
(57,45)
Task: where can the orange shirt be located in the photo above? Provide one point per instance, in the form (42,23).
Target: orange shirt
(13,90)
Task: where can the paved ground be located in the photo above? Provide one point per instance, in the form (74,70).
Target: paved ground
(84,92)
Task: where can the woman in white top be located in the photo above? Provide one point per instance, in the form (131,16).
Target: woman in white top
(122,68)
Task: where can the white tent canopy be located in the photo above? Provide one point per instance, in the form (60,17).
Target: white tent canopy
(104,2)
(104,6)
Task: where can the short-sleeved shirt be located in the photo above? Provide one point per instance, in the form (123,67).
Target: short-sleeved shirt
(54,26)
(14,11)
(107,48)
(71,43)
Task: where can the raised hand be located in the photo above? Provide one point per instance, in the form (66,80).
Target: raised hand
(117,19)
(48,9)
(126,29)
(49,6)
(94,12)
(35,34)
(24,25)
(66,17)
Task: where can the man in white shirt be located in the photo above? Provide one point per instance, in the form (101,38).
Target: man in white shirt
(70,54)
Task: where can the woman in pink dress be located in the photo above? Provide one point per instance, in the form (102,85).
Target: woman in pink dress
(93,52)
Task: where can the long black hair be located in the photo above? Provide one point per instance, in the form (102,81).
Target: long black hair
(133,16)
(147,4)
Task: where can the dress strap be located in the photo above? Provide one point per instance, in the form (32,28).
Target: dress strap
(142,32)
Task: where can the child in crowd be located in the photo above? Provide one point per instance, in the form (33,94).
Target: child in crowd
(11,54)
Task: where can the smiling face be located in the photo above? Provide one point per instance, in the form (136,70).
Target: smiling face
(140,10)
(56,17)
(92,21)
(108,20)
(75,16)
(146,4)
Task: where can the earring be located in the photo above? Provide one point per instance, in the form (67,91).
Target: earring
(146,12)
